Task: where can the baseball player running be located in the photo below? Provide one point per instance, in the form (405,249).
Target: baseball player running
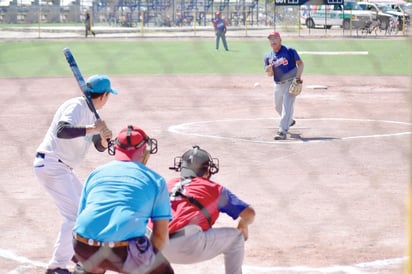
(196,203)
(284,64)
(72,130)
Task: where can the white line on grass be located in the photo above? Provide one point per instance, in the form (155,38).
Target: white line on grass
(334,52)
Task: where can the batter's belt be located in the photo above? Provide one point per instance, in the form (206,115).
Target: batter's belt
(42,155)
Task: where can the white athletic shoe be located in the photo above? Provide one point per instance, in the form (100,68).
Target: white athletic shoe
(280,136)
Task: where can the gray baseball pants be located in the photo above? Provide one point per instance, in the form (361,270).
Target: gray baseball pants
(197,245)
(284,104)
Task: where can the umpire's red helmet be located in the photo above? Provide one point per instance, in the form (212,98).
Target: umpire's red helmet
(132,142)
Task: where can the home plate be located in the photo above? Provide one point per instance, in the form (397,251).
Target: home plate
(317,87)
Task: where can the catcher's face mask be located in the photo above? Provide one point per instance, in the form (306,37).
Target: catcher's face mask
(195,163)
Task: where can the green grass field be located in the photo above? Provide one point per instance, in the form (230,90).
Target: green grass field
(45,58)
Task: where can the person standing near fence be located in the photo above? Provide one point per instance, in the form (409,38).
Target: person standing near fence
(283,64)
(220,26)
(73,129)
(88,24)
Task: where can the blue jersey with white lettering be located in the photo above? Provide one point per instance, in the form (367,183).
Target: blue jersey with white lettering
(220,24)
(283,63)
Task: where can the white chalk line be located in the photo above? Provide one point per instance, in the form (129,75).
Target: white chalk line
(334,52)
(354,269)
(184,129)
(25,262)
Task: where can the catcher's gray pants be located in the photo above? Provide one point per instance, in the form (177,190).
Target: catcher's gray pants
(284,104)
(196,245)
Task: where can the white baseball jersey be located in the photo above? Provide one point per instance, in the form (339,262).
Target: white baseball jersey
(71,151)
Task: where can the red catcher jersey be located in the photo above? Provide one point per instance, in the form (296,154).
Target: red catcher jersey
(214,197)
(184,212)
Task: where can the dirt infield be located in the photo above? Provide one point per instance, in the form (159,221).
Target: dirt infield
(330,199)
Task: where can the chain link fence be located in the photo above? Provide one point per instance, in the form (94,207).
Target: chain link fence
(328,200)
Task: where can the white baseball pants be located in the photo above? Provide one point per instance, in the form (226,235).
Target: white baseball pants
(65,189)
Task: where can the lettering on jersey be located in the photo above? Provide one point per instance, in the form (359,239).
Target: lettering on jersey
(280,62)
(220,24)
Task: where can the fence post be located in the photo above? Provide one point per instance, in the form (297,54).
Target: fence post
(194,22)
(39,22)
(142,25)
(299,25)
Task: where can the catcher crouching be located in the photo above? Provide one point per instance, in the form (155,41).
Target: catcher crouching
(286,67)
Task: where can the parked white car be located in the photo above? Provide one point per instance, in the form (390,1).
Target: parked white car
(381,12)
(403,15)
(403,7)
(346,16)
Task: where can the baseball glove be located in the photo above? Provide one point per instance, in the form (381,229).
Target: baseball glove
(296,87)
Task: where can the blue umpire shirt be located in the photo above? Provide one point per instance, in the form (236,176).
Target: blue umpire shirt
(118,199)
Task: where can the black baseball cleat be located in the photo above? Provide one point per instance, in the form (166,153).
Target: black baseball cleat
(293,123)
(280,136)
(57,271)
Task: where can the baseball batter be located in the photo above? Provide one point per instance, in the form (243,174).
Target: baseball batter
(196,203)
(284,64)
(73,129)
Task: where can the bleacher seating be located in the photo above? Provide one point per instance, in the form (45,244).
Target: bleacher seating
(208,4)
(22,3)
(5,3)
(224,5)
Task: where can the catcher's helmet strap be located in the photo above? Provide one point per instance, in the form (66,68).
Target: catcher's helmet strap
(178,191)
